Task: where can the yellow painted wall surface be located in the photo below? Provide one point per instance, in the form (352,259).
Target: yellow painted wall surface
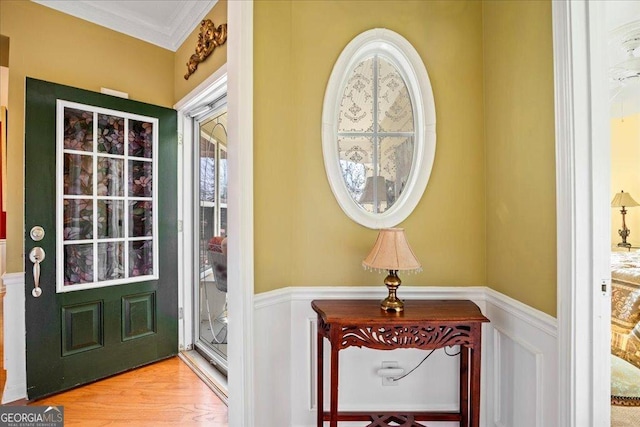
(218,14)
(52,46)
(520,151)
(296,44)
(625,174)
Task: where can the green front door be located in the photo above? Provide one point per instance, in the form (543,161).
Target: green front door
(100,236)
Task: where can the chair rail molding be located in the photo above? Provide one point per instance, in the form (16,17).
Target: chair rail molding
(519,364)
(14,338)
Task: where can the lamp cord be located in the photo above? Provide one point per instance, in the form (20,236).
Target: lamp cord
(422,361)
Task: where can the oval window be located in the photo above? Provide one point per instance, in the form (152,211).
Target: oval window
(378,130)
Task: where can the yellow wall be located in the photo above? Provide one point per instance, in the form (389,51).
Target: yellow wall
(488,214)
(302,236)
(52,46)
(625,174)
(218,14)
(520,151)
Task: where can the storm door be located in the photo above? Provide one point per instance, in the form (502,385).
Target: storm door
(210,132)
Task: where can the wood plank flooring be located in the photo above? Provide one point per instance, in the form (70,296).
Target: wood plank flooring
(164,393)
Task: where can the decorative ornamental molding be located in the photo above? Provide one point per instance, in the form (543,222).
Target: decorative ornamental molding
(209,38)
(385,337)
(388,337)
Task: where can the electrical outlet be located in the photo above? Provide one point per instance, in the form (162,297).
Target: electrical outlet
(388,372)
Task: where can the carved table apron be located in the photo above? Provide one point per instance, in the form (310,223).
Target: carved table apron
(424,324)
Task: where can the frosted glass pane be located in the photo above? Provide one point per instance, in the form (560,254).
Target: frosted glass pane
(110,134)
(78,174)
(356,163)
(77,219)
(78,264)
(395,112)
(140,219)
(110,177)
(78,129)
(356,106)
(140,139)
(141,258)
(110,261)
(140,179)
(110,219)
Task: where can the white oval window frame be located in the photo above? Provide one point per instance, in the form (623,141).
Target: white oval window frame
(395,47)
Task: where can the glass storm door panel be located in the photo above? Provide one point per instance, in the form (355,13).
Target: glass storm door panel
(211,166)
(97,169)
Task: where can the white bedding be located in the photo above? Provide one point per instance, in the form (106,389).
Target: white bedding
(625,266)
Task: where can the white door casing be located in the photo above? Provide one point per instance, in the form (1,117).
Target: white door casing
(583,213)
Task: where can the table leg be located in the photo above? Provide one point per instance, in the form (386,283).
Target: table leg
(464,386)
(334,386)
(320,378)
(475,384)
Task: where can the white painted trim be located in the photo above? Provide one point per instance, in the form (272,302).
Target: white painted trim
(203,91)
(116,16)
(125,239)
(600,190)
(538,319)
(529,328)
(212,88)
(582,173)
(240,247)
(3,260)
(498,372)
(410,65)
(14,334)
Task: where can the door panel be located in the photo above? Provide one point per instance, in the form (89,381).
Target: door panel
(79,336)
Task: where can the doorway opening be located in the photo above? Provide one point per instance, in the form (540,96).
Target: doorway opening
(211,188)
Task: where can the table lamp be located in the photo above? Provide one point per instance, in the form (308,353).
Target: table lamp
(623,200)
(392,252)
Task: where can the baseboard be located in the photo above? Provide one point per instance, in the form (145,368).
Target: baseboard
(14,338)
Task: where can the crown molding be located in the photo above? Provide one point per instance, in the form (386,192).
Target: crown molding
(167,24)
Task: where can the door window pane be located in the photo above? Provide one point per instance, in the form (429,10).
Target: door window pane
(211,268)
(106,197)
(78,174)
(110,134)
(110,176)
(78,264)
(78,219)
(78,129)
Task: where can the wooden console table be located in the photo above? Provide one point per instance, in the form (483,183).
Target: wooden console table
(424,324)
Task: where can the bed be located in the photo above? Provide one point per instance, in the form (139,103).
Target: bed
(625,306)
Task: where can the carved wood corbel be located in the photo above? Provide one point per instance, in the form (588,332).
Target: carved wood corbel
(209,38)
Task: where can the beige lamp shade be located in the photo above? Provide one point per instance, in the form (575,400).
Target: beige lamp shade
(623,199)
(391,251)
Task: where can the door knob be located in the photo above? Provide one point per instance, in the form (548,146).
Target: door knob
(36,256)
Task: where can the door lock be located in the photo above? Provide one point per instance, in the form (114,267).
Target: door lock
(36,256)
(37,233)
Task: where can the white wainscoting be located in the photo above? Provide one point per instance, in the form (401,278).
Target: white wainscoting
(519,374)
(14,338)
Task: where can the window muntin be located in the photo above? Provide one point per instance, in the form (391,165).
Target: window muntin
(376,133)
(378,129)
(106,197)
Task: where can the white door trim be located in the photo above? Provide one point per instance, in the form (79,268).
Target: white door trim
(582,180)
(240,248)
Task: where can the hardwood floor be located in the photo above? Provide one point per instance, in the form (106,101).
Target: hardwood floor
(165,393)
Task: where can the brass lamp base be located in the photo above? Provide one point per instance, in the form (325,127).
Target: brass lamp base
(391,302)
